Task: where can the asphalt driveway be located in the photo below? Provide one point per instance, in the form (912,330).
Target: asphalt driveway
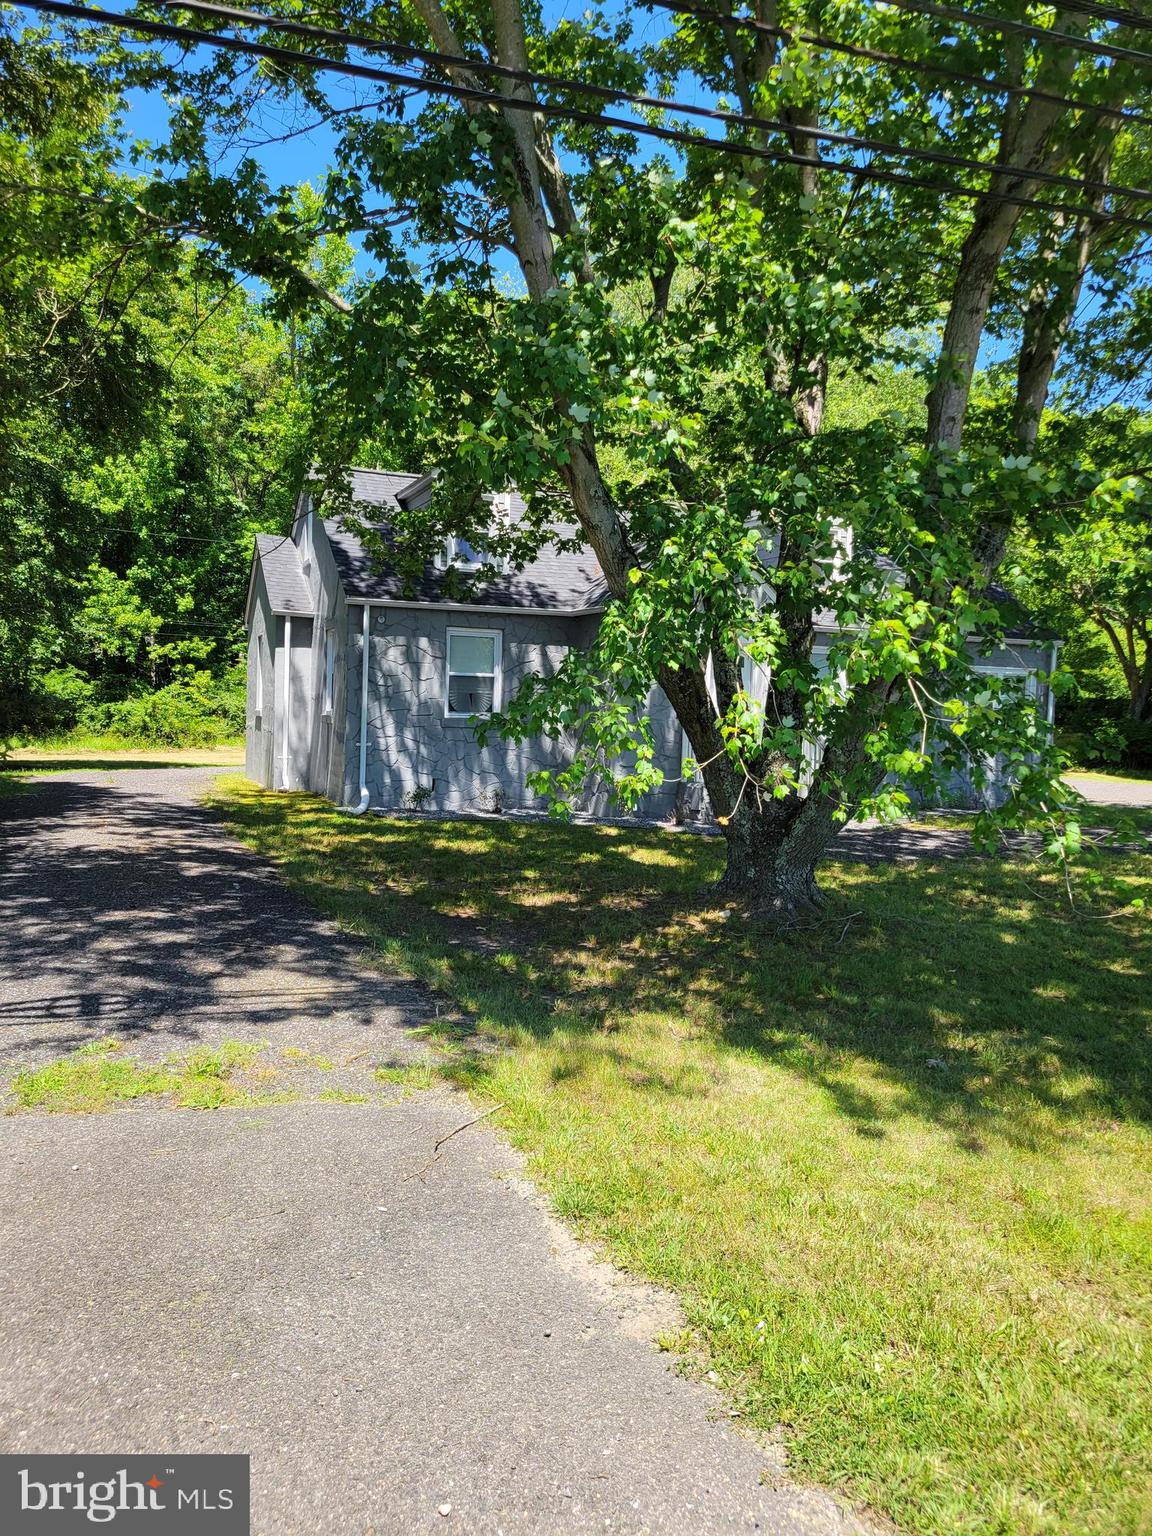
(399,1347)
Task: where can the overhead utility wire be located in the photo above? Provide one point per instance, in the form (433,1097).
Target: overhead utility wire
(900,61)
(992,23)
(612,94)
(1122,17)
(291,56)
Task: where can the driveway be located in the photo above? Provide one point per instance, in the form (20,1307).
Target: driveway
(1100,789)
(399,1347)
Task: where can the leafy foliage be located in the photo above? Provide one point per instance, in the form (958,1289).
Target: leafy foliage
(1090,574)
(154,420)
(643,341)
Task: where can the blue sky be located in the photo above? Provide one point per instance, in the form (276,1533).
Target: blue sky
(307,155)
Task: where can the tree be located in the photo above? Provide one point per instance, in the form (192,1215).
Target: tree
(73,374)
(656,371)
(1091,575)
(153,410)
(175,514)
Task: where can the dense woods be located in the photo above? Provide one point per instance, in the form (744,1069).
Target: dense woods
(153,420)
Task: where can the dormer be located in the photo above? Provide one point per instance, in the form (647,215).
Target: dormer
(463,554)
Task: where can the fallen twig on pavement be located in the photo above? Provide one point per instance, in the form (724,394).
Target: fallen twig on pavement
(419,1173)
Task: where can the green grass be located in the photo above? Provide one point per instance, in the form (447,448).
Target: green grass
(97,1077)
(341,1096)
(896,1167)
(1142,774)
(101,753)
(1125,823)
(411,1077)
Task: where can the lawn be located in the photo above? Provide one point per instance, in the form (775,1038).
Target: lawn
(896,1166)
(235,1074)
(101,753)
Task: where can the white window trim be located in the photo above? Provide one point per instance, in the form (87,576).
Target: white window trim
(452,558)
(495,635)
(449,560)
(258,700)
(328,697)
(1026,674)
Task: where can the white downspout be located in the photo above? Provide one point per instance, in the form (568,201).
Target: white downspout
(362,806)
(287,691)
(1051,696)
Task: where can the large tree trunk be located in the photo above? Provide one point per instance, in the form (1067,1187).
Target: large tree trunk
(769,870)
(1140,686)
(775,845)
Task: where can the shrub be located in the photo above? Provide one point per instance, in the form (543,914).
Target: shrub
(1098,733)
(198,710)
(55,701)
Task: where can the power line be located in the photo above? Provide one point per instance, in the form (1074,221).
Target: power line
(610,93)
(1002,24)
(190,538)
(288,56)
(1124,18)
(901,61)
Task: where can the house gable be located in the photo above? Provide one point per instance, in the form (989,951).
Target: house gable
(561,580)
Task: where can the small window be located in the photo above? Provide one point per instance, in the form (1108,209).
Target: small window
(473,667)
(329,698)
(465,554)
(462,554)
(259,689)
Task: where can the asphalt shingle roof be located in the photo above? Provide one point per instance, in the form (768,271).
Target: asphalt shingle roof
(555,581)
(283,575)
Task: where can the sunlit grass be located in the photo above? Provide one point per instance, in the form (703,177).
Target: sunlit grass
(896,1166)
(100,753)
(99,1077)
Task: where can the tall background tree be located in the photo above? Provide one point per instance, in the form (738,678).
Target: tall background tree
(153,420)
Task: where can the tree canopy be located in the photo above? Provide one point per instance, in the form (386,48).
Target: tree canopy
(640,335)
(154,419)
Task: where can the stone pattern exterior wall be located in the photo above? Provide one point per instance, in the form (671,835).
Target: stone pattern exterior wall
(419,758)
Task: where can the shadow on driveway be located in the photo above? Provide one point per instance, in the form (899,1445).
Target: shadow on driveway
(128,910)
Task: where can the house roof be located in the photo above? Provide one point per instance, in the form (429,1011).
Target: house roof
(555,581)
(381,487)
(283,575)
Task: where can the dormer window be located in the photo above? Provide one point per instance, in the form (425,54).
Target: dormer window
(463,554)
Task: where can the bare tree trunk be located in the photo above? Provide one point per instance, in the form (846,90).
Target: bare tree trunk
(774,845)
(1141,704)
(1024,141)
(1137,669)
(771,867)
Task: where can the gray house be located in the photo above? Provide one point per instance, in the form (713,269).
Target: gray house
(363,690)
